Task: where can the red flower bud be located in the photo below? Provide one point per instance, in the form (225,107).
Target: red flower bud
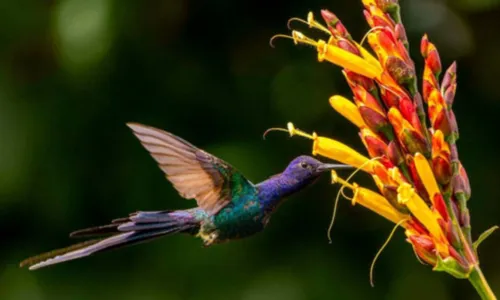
(414,142)
(394,153)
(400,32)
(424,248)
(440,206)
(424,45)
(355,79)
(442,169)
(452,235)
(334,25)
(375,146)
(449,95)
(389,97)
(329,17)
(388,6)
(400,71)
(461,185)
(417,182)
(348,46)
(376,121)
(450,76)
(361,95)
(427,88)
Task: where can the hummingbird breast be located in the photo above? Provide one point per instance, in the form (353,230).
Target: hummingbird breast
(238,219)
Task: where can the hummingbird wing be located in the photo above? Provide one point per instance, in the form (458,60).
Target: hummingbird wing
(194,173)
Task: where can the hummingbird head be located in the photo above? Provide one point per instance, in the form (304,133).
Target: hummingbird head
(304,168)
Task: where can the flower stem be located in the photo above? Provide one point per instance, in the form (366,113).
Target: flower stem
(479,282)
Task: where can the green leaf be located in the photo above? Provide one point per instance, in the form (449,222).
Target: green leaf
(483,236)
(452,267)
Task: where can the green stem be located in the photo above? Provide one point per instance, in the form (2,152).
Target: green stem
(479,282)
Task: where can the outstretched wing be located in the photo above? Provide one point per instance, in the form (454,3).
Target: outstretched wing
(195,173)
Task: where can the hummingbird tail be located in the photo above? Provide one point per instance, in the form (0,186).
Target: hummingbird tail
(137,228)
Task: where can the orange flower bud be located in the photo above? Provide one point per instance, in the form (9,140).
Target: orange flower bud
(400,71)
(424,247)
(431,55)
(362,96)
(394,153)
(348,46)
(334,25)
(440,206)
(375,145)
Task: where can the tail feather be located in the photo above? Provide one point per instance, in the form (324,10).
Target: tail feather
(126,231)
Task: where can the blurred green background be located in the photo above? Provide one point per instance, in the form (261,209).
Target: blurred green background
(73,72)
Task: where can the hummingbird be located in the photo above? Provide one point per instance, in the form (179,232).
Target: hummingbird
(229,206)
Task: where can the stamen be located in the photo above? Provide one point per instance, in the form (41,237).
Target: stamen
(334,214)
(294,131)
(368,32)
(313,24)
(297,37)
(289,22)
(372,267)
(273,129)
(310,21)
(336,179)
(284,36)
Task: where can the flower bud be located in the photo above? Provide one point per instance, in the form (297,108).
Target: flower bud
(388,6)
(355,79)
(461,185)
(394,153)
(348,46)
(334,25)
(400,71)
(431,55)
(450,76)
(376,121)
(376,147)
(414,142)
(424,247)
(400,32)
(440,206)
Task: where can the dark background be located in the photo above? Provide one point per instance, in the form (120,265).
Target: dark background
(73,72)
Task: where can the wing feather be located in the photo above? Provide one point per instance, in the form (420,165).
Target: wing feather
(194,173)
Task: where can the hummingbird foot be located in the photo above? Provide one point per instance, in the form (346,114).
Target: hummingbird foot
(208,238)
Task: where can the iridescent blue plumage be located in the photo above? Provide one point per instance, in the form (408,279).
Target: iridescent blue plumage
(229,205)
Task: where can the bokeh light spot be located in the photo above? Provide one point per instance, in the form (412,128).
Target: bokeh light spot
(84,35)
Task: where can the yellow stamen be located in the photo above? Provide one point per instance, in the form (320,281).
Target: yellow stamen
(311,22)
(334,150)
(417,206)
(348,60)
(372,267)
(345,184)
(297,37)
(371,200)
(347,109)
(426,175)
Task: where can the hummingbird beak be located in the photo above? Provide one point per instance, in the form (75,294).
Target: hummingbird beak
(328,167)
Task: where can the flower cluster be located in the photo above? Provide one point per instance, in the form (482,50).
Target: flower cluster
(415,165)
